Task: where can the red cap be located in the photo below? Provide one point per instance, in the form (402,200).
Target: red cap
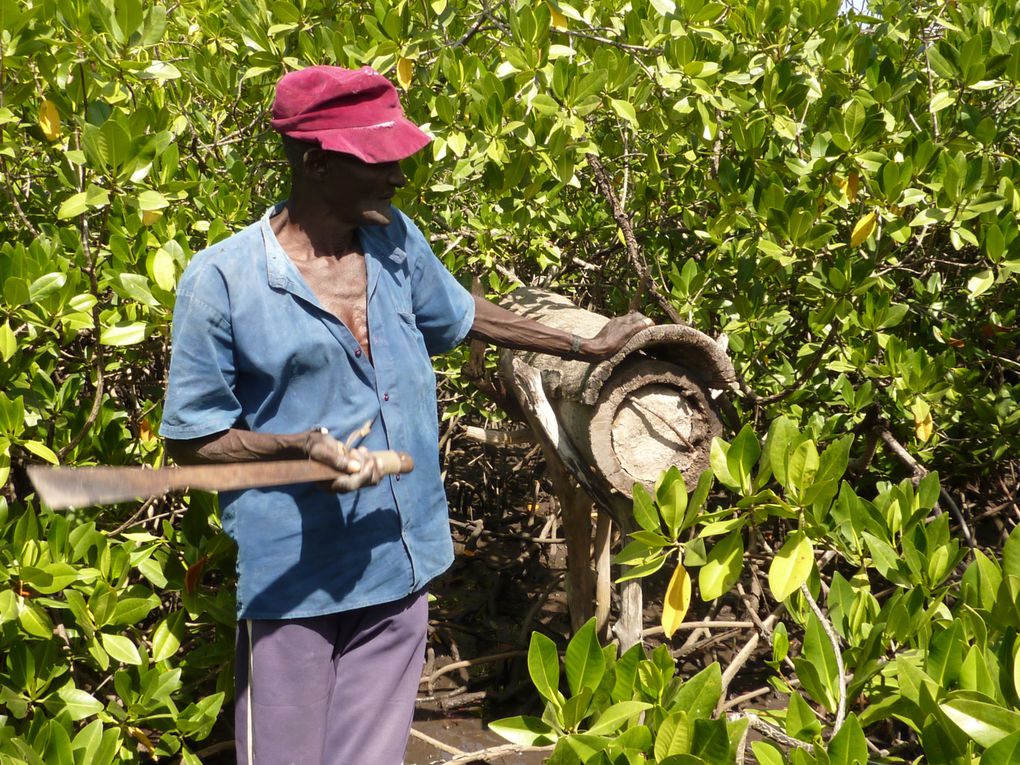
(355,111)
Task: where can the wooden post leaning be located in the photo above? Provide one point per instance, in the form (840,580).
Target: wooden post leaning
(611,425)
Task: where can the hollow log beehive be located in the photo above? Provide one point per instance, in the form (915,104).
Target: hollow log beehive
(646,409)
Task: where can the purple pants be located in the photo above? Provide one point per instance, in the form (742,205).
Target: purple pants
(331,690)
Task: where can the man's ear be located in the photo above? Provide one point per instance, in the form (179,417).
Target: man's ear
(314,163)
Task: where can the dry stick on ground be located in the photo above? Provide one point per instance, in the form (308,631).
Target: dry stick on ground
(437,743)
(633,253)
(452,666)
(488,755)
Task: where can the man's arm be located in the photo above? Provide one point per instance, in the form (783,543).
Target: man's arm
(499,326)
(236,445)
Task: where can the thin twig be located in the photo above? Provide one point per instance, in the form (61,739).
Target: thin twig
(705,624)
(14,199)
(840,668)
(455,665)
(437,743)
(919,472)
(488,755)
(804,376)
(768,730)
(633,253)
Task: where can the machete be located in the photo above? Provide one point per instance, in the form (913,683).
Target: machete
(64,487)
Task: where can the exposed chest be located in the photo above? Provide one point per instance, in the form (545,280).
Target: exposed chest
(341,287)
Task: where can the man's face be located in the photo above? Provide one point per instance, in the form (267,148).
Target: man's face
(358,192)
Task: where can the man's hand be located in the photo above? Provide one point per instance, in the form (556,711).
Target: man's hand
(360,467)
(612,337)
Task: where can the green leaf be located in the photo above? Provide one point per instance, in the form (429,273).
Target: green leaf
(1006,751)
(544,667)
(980,283)
(697,499)
(45,286)
(8,342)
(791,566)
(803,466)
(816,665)
(524,731)
(625,110)
(672,501)
(741,456)
(152,200)
(35,621)
(73,206)
(985,723)
(77,703)
(718,458)
(124,334)
(611,720)
(643,569)
(674,736)
(1011,553)
(121,648)
(767,754)
(584,662)
(644,510)
(782,439)
(699,695)
(722,570)
(848,746)
(801,720)
(167,637)
(42,451)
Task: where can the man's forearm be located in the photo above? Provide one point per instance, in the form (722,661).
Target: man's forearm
(238,446)
(499,326)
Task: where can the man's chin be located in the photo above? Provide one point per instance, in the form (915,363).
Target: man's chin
(380,216)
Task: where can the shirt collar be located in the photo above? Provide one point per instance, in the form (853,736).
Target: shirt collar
(283,274)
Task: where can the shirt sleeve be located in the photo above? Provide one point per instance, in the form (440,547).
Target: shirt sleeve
(200,397)
(444,311)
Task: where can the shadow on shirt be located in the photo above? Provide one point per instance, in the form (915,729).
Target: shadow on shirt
(344,557)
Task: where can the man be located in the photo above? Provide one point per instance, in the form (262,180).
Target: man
(288,336)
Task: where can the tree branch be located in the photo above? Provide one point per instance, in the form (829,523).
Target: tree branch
(633,253)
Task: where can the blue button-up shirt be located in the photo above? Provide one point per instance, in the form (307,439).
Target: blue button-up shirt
(254,349)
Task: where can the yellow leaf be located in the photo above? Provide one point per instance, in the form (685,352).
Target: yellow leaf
(924,426)
(863,229)
(405,68)
(151,216)
(139,735)
(49,120)
(852,184)
(676,601)
(557,19)
(791,566)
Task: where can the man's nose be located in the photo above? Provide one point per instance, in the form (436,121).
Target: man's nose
(395,176)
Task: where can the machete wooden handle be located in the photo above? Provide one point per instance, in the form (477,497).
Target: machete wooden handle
(64,487)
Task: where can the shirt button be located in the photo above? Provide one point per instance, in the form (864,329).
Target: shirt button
(398,477)
(385,396)
(357,352)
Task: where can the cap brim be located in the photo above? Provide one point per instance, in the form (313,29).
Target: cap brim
(385,142)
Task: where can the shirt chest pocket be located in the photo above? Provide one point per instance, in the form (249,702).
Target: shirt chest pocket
(412,337)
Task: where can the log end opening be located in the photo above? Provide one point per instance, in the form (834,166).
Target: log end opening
(649,416)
